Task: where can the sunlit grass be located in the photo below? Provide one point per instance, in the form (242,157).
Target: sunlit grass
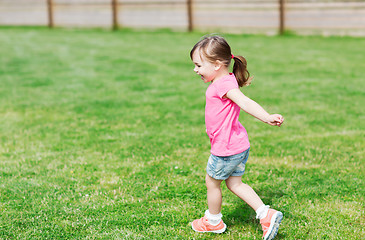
(102,136)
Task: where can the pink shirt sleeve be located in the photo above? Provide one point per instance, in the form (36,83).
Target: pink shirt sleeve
(225,85)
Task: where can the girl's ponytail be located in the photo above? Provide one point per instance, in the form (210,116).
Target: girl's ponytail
(240,71)
(216,48)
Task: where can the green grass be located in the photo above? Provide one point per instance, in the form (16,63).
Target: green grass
(102,136)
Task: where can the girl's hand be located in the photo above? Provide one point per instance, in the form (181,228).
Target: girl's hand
(275,120)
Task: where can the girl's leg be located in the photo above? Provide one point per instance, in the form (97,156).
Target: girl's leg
(214,194)
(243,191)
(269,218)
(212,220)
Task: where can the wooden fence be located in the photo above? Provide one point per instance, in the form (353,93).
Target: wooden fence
(336,17)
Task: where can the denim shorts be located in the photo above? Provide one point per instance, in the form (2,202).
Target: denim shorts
(221,168)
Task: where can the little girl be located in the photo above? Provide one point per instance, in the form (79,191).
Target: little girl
(229,141)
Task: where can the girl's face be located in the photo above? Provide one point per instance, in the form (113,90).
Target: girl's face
(204,68)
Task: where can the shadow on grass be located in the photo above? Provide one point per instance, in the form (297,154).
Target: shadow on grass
(243,215)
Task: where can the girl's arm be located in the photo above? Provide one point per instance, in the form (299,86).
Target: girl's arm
(253,108)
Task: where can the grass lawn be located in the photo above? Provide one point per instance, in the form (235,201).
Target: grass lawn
(102,136)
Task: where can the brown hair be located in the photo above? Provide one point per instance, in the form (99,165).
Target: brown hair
(215,48)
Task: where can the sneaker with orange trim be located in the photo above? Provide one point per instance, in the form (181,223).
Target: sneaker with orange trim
(270,224)
(202,225)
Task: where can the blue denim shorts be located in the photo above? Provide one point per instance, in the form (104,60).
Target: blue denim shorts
(221,168)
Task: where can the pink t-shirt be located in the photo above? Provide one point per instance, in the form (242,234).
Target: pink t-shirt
(227,135)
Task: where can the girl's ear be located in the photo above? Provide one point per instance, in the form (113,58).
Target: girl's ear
(218,64)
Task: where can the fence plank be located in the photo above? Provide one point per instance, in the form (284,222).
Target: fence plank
(115,14)
(50,13)
(282,16)
(190,15)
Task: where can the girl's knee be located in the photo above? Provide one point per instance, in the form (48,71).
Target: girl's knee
(211,182)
